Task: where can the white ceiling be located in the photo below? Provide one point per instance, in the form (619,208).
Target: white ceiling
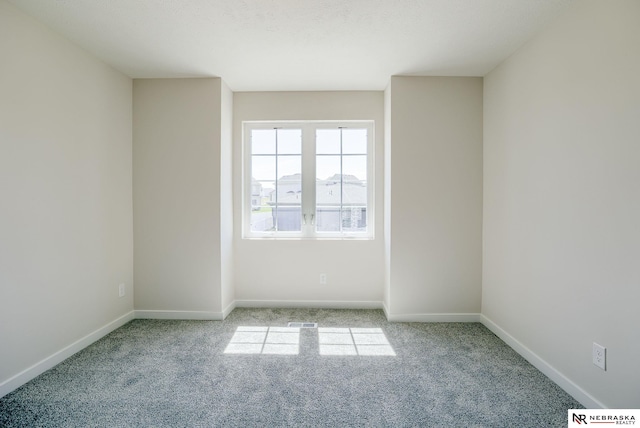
(260,45)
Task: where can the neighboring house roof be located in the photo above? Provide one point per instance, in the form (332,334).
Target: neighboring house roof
(353,193)
(327,191)
(345,177)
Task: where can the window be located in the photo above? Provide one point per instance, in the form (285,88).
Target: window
(308,179)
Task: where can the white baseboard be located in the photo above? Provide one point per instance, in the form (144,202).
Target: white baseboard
(432,317)
(226,311)
(385,309)
(552,373)
(51,361)
(321,304)
(178,315)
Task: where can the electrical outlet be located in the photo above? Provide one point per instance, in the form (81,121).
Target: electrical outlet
(323,278)
(600,356)
(121,290)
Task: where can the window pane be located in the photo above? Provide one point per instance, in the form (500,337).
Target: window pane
(263,141)
(289,141)
(354,219)
(263,168)
(354,167)
(354,141)
(289,191)
(328,167)
(290,182)
(328,141)
(261,193)
(328,219)
(328,193)
(354,193)
(290,166)
(289,218)
(262,219)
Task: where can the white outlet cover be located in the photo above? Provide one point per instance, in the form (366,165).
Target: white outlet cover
(121,290)
(600,356)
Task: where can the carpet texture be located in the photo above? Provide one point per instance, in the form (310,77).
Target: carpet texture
(158,373)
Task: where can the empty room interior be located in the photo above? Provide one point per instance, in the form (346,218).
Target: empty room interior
(447,191)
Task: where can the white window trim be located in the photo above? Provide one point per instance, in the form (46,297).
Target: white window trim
(309,188)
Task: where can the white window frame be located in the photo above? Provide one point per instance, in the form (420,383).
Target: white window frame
(308,179)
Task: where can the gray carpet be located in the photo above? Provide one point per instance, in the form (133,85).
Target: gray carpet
(152,373)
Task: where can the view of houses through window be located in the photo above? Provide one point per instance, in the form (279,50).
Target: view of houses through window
(328,194)
(276,180)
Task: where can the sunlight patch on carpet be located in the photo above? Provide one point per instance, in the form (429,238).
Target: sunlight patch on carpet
(264,340)
(354,341)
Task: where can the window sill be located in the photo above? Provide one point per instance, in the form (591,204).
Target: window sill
(312,238)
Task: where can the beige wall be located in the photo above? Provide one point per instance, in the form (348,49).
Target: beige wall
(177,196)
(435,177)
(66,237)
(288,270)
(562,198)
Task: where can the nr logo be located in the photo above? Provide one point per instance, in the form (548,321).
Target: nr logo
(580,419)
